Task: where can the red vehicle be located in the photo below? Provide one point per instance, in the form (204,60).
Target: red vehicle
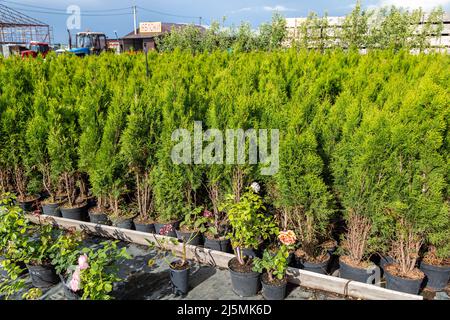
(36,48)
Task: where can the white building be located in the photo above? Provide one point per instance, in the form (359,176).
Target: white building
(294,26)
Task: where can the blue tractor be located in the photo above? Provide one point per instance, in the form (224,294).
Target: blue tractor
(88,43)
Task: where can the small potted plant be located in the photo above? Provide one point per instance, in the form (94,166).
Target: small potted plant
(36,254)
(179,268)
(167,225)
(63,155)
(95,273)
(436,266)
(98,214)
(74,208)
(250,223)
(38,156)
(354,252)
(179,272)
(24,244)
(12,224)
(216,234)
(122,217)
(274,280)
(403,274)
(193,226)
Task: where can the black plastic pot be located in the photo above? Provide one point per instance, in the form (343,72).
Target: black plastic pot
(79,214)
(91,202)
(437,277)
(43,276)
(98,218)
(159,226)
(245,284)
(145,227)
(355,274)
(180,280)
(70,295)
(125,224)
(218,245)
(251,253)
(192,238)
(27,206)
(385,260)
(51,209)
(321,267)
(402,284)
(273,292)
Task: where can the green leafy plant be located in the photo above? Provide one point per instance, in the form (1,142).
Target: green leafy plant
(65,250)
(249,221)
(276,264)
(32,294)
(13,232)
(195,221)
(96,272)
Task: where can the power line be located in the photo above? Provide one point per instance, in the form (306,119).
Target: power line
(168,14)
(91,13)
(62,10)
(67,14)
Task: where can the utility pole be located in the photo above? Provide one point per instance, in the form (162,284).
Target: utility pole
(200,20)
(135,21)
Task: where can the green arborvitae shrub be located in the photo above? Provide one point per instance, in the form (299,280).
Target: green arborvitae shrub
(303,197)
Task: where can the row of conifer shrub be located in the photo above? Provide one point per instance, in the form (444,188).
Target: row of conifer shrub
(363,137)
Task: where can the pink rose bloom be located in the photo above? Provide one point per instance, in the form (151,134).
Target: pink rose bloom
(75,281)
(83,262)
(207,214)
(74,285)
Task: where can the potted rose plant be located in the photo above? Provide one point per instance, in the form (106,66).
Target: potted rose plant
(275,265)
(250,225)
(95,273)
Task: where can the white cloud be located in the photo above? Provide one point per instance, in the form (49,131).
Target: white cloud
(414,4)
(277,8)
(241,10)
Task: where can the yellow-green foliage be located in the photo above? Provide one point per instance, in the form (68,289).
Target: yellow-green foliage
(369,132)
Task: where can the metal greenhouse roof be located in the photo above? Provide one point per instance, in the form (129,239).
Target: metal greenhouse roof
(16,27)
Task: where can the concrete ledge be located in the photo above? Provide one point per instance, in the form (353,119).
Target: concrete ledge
(220,259)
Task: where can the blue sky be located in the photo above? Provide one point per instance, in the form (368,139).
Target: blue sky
(235,11)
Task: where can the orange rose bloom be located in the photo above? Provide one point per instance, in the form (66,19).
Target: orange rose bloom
(287,237)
